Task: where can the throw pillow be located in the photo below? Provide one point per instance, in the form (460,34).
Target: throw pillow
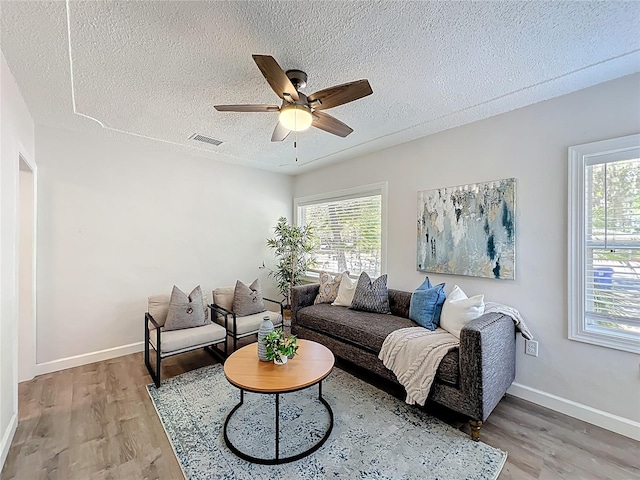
(329,287)
(458,310)
(247,300)
(345,292)
(426,304)
(186,311)
(371,296)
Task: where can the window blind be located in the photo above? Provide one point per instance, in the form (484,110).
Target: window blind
(349,232)
(612,243)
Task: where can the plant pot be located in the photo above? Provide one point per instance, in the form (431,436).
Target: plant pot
(280,360)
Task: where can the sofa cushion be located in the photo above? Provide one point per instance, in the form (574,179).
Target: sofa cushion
(363,329)
(399,302)
(250,323)
(175,340)
(449,368)
(371,296)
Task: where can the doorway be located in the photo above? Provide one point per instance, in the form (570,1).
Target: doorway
(26,270)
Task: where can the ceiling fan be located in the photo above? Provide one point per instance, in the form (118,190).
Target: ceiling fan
(299,111)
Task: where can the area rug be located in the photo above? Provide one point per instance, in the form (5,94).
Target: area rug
(375,435)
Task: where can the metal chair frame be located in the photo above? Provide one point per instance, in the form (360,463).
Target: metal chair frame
(228,313)
(156,376)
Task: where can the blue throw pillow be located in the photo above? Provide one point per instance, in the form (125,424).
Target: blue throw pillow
(426,304)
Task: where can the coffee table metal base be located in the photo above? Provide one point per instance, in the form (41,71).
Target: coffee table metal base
(278,459)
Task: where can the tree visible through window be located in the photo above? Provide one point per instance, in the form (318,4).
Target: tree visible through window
(349,232)
(604,243)
(612,197)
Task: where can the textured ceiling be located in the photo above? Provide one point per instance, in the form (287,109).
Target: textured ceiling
(155,69)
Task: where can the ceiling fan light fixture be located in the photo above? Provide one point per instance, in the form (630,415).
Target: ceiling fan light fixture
(295,117)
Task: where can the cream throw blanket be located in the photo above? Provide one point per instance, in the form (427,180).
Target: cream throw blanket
(414,355)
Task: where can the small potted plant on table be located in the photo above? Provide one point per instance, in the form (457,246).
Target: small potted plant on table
(279,347)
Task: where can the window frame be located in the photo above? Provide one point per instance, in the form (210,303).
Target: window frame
(579,329)
(379,188)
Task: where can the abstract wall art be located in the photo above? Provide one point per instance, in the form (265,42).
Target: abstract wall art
(468,230)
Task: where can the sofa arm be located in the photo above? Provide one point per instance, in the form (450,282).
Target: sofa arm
(487,361)
(302,296)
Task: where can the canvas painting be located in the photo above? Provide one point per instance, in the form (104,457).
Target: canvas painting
(468,230)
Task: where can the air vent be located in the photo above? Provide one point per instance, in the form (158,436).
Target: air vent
(202,138)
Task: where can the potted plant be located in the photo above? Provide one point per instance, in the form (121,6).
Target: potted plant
(293,247)
(279,347)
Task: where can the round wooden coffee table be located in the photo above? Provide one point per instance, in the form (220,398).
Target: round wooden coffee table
(310,366)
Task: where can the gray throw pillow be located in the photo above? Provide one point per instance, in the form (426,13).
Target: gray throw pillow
(248,300)
(371,296)
(186,311)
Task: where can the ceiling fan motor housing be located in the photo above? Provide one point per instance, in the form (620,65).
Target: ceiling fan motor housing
(298,78)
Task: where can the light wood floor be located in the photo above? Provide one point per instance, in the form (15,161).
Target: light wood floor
(97,422)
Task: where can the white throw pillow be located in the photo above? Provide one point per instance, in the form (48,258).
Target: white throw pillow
(458,310)
(345,292)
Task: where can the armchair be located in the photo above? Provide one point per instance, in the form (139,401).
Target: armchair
(240,326)
(174,342)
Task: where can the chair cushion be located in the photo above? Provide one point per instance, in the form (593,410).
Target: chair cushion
(186,311)
(158,307)
(175,340)
(247,300)
(251,323)
(365,329)
(223,297)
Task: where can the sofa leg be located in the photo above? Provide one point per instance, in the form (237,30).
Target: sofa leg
(475,430)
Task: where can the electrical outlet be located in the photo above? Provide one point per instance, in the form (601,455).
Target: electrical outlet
(531,347)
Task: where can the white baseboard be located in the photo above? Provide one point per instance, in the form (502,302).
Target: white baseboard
(7,438)
(600,418)
(86,358)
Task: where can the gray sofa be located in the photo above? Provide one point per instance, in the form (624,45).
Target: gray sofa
(470,380)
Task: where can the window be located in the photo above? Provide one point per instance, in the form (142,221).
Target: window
(350,228)
(604,243)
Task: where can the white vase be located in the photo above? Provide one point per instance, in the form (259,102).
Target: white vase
(280,360)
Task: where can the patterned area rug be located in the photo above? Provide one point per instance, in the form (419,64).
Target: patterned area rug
(375,435)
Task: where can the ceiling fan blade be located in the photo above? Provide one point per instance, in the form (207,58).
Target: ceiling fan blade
(279,133)
(339,95)
(275,76)
(247,108)
(330,124)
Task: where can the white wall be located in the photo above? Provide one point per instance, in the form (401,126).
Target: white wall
(118,222)
(529,144)
(16,138)
(26,273)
